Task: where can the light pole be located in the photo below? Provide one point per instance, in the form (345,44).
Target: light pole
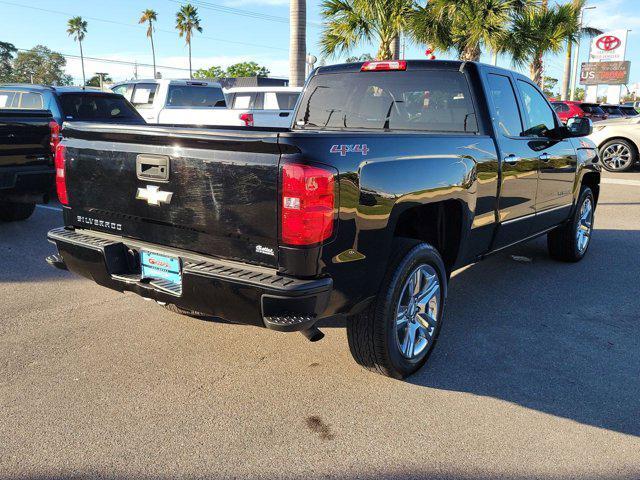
(577,60)
(101,76)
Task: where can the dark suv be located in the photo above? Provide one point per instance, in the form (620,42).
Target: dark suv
(70,103)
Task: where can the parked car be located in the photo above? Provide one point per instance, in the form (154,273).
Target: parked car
(27,141)
(567,110)
(178,102)
(263,106)
(618,141)
(628,111)
(393,175)
(69,103)
(612,111)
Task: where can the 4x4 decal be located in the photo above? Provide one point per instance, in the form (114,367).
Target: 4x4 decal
(344,149)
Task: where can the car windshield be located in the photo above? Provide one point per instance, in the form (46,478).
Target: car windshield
(629,111)
(422,100)
(97,107)
(612,110)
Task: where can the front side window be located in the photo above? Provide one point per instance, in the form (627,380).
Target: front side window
(143,94)
(420,100)
(192,96)
(538,116)
(505,106)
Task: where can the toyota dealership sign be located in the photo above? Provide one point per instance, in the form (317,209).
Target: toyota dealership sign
(609,47)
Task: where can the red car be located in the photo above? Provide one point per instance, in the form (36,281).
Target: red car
(567,110)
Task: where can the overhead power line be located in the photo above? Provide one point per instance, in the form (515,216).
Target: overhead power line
(139,27)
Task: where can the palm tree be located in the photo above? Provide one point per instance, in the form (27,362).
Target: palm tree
(297,42)
(465,26)
(538,30)
(77,27)
(149,16)
(350,22)
(187,21)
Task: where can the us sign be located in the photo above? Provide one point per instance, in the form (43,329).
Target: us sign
(605,73)
(609,47)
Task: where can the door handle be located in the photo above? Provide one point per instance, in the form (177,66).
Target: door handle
(544,157)
(512,159)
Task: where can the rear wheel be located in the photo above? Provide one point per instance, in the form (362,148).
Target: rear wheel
(397,333)
(14,211)
(618,155)
(571,241)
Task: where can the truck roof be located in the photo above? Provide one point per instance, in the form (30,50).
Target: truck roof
(171,81)
(51,88)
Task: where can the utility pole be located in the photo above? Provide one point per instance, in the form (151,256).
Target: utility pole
(101,76)
(574,75)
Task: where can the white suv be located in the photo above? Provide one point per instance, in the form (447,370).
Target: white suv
(177,102)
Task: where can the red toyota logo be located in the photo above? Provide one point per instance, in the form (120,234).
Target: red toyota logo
(608,43)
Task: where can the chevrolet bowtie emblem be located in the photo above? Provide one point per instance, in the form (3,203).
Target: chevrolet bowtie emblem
(153,195)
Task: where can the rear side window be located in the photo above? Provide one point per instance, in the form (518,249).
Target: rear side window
(421,100)
(505,107)
(244,101)
(194,96)
(97,107)
(592,108)
(6,99)
(143,94)
(539,117)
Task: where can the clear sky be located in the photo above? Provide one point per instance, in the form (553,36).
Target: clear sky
(113,33)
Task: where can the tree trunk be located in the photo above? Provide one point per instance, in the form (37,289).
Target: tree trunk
(84,81)
(471,54)
(395,48)
(385,50)
(190,73)
(535,70)
(566,77)
(153,53)
(297,42)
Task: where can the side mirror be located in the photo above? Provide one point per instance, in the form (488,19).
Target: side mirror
(579,127)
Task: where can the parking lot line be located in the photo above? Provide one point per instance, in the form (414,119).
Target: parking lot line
(621,181)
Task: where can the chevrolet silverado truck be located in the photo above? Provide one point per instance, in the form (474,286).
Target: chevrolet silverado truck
(393,175)
(27,141)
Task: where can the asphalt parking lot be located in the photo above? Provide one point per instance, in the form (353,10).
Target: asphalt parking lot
(536,375)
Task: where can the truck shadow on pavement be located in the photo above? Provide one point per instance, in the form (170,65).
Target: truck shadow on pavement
(562,339)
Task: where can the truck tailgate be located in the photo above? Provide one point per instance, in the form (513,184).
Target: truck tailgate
(208,191)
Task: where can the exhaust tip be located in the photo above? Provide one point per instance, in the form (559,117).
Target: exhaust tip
(312,334)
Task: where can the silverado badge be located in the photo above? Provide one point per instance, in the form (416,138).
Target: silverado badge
(153,195)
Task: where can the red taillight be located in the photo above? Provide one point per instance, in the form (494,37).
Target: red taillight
(308,200)
(386,65)
(61,175)
(247,118)
(54,139)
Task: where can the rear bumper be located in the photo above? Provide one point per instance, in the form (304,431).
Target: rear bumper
(28,183)
(233,291)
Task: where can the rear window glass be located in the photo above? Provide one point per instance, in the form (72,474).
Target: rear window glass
(423,100)
(31,101)
(97,107)
(193,96)
(593,109)
(287,101)
(143,94)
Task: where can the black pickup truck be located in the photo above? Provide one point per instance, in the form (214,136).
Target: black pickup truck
(393,175)
(27,141)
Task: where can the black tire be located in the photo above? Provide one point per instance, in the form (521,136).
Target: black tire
(13,211)
(622,144)
(563,242)
(372,333)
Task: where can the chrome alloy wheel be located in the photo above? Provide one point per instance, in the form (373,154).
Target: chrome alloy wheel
(617,156)
(585,225)
(417,311)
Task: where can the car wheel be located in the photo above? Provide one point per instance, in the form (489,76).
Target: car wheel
(13,211)
(570,242)
(396,334)
(618,155)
